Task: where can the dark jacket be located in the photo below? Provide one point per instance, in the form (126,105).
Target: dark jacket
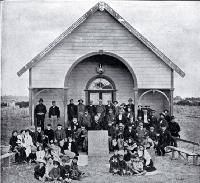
(174,129)
(164,138)
(129,134)
(39,137)
(114,163)
(91,110)
(131,106)
(74,147)
(86,120)
(123,120)
(64,170)
(40,108)
(39,172)
(59,134)
(13,142)
(71,111)
(50,134)
(54,111)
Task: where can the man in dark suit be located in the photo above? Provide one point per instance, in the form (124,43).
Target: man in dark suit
(91,109)
(40,111)
(71,111)
(54,114)
(121,117)
(130,104)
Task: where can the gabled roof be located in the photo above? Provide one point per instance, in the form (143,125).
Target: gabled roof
(102,6)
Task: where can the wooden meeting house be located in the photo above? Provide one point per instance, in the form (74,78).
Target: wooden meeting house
(101,56)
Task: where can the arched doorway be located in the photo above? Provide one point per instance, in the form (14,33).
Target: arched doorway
(118,76)
(100,87)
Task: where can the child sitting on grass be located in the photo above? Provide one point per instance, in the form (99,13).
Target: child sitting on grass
(75,172)
(39,170)
(65,170)
(54,174)
(114,162)
(122,164)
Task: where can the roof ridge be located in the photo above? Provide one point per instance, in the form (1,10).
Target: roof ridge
(102,6)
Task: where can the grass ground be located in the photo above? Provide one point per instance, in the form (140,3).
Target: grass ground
(168,171)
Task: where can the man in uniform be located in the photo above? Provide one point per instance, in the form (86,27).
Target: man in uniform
(40,111)
(54,114)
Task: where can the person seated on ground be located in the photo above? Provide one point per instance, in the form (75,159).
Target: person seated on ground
(32,134)
(120,141)
(164,140)
(86,120)
(83,139)
(55,151)
(136,165)
(28,143)
(39,136)
(129,132)
(174,129)
(114,162)
(140,133)
(65,170)
(109,106)
(49,134)
(121,117)
(54,173)
(47,153)
(21,136)
(40,154)
(122,164)
(97,123)
(127,153)
(59,134)
(20,155)
(39,170)
(13,140)
(162,121)
(132,146)
(32,156)
(75,172)
(49,166)
(148,163)
(69,147)
(152,137)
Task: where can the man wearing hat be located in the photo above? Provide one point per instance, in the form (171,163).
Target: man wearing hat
(71,111)
(54,114)
(80,109)
(130,104)
(174,129)
(40,111)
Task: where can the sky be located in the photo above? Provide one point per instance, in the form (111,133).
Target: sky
(29,26)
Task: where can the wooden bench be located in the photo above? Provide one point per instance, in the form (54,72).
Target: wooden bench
(6,159)
(185,151)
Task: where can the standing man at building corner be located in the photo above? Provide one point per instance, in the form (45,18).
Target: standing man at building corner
(54,114)
(40,111)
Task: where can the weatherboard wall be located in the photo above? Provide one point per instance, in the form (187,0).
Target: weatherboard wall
(101,32)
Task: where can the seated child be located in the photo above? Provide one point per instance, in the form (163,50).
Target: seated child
(65,170)
(137,165)
(13,140)
(20,156)
(40,154)
(39,170)
(59,134)
(122,164)
(49,167)
(75,172)
(114,162)
(54,173)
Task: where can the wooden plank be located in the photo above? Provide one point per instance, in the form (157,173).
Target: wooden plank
(187,141)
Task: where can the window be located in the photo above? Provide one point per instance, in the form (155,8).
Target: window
(100,84)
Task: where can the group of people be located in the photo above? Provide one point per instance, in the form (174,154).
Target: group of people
(129,137)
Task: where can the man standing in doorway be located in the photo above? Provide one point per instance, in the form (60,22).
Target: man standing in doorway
(80,110)
(40,111)
(54,114)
